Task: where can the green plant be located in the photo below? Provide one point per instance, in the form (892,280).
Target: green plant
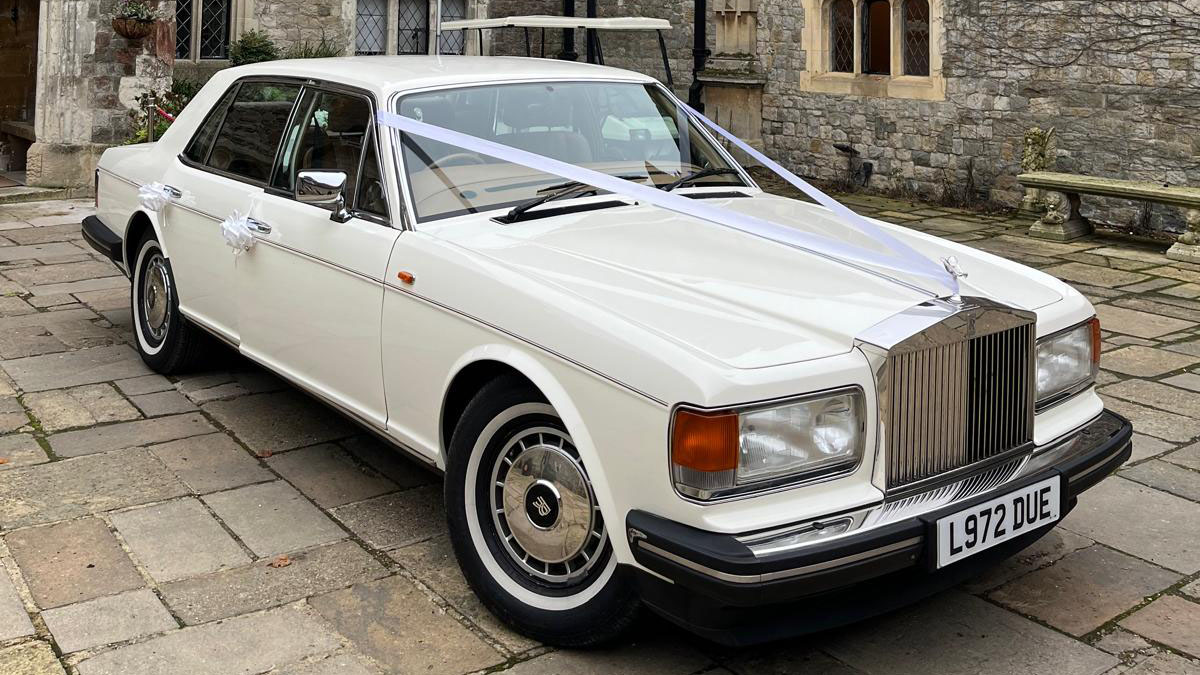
(253,47)
(171,101)
(134,9)
(185,90)
(324,48)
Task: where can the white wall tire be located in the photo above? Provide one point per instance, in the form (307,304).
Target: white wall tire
(166,341)
(577,598)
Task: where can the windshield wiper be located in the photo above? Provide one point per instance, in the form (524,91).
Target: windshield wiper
(696,175)
(546,194)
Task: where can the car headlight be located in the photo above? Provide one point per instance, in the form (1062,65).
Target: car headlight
(1067,362)
(718,454)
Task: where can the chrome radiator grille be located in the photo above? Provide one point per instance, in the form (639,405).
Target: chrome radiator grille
(952,404)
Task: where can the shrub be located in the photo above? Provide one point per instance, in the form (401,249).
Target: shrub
(322,49)
(133,9)
(253,47)
(172,101)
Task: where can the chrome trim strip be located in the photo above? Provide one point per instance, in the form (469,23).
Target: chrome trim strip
(198,212)
(781,574)
(1095,467)
(531,343)
(119,177)
(322,261)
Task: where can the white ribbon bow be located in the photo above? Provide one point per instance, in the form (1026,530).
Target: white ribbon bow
(154,196)
(901,257)
(237,233)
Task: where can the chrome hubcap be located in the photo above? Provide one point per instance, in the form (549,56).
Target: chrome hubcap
(156,297)
(543,506)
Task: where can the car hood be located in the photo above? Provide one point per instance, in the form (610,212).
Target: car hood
(732,297)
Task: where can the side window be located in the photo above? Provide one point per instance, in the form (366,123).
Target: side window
(371,197)
(250,135)
(329,133)
(197,150)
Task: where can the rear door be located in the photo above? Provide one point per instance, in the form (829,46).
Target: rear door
(224,167)
(311,289)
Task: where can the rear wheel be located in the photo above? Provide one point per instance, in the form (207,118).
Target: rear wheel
(525,525)
(167,341)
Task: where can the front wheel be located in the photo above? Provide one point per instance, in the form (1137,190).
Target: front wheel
(525,525)
(167,341)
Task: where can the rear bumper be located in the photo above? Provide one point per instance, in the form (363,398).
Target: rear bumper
(104,240)
(719,588)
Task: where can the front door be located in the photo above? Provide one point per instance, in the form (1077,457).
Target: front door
(311,288)
(225,165)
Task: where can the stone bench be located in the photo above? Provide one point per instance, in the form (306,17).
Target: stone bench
(1052,224)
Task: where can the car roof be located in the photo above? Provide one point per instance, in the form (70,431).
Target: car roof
(401,73)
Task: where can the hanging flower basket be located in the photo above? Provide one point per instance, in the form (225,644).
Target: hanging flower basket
(132,29)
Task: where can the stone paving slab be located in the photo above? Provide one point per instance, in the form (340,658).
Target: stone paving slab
(661,656)
(76,487)
(392,622)
(29,658)
(1171,620)
(264,583)
(329,476)
(251,643)
(1168,477)
(88,366)
(274,422)
(1167,531)
(128,435)
(963,634)
(114,618)
(211,462)
(177,539)
(255,514)
(14,621)
(82,406)
(71,562)
(20,450)
(374,519)
(1085,589)
(335,664)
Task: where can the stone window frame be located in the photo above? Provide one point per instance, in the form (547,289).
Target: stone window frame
(819,76)
(234,14)
(469,39)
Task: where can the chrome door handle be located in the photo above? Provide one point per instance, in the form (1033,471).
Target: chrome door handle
(175,192)
(258,226)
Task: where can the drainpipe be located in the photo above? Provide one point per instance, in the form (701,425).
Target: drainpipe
(699,53)
(589,34)
(568,52)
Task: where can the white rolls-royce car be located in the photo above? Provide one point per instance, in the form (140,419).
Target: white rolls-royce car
(632,406)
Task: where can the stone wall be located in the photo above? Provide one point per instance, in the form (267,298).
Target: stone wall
(88,79)
(289,22)
(1113,112)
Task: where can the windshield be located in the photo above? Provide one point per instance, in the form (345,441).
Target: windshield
(631,130)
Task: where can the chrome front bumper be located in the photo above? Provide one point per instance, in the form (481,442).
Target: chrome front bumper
(844,549)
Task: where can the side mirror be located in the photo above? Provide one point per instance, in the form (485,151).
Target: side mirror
(324,188)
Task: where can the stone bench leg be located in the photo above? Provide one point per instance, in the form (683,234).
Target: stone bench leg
(1052,225)
(1187,249)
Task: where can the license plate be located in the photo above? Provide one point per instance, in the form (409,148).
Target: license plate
(993,522)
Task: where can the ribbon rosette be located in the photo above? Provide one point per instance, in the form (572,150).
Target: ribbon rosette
(237,233)
(154,196)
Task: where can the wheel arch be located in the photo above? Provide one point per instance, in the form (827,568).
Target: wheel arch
(485,363)
(140,223)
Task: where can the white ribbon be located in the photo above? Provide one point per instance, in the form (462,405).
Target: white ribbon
(237,233)
(154,196)
(902,258)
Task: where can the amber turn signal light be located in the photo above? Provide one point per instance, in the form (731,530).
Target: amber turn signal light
(705,442)
(1095,324)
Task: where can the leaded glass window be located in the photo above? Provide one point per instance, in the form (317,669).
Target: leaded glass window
(183,29)
(370,27)
(877,37)
(214,29)
(413,27)
(453,41)
(916,37)
(841,21)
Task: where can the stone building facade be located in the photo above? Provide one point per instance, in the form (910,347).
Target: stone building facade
(931,98)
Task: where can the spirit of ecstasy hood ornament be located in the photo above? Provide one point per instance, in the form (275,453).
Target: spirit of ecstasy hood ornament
(951,264)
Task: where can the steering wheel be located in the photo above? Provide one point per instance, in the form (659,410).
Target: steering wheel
(456,158)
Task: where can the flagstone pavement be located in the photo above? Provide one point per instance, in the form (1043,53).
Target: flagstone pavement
(222,522)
